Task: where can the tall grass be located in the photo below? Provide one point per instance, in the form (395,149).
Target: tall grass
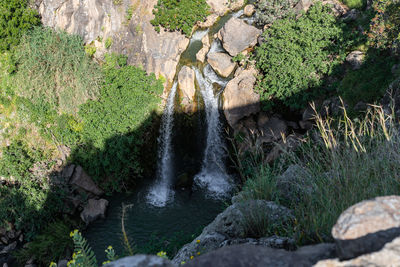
(345,161)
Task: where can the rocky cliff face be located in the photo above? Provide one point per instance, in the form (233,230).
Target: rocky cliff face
(121,26)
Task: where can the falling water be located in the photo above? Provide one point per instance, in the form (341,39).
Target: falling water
(161,192)
(213,175)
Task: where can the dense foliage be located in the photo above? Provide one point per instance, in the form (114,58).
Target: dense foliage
(114,126)
(15,19)
(54,69)
(358,4)
(179,15)
(296,53)
(385,26)
(267,11)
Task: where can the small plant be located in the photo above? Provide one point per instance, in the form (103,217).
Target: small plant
(238,58)
(83,254)
(90,50)
(108,43)
(117,2)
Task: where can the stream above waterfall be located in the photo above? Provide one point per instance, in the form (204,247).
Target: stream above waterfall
(160,209)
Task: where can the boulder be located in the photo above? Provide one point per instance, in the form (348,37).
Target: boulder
(389,255)
(272,129)
(249,10)
(294,183)
(271,242)
(249,255)
(230,224)
(81,179)
(220,7)
(210,20)
(302,6)
(155,52)
(222,63)
(239,98)
(355,59)
(141,261)
(236,36)
(186,78)
(315,253)
(9,248)
(201,55)
(93,210)
(367,226)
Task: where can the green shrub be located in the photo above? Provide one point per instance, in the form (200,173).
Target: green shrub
(52,243)
(345,162)
(385,26)
(296,54)
(358,4)
(179,15)
(53,68)
(15,19)
(267,11)
(114,126)
(108,43)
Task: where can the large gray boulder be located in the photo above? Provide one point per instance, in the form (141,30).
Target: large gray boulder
(237,36)
(135,36)
(93,210)
(367,226)
(389,255)
(295,183)
(81,179)
(222,63)
(141,261)
(231,224)
(239,98)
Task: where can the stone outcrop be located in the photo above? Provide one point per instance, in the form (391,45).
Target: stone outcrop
(220,7)
(222,63)
(186,85)
(355,59)
(201,55)
(81,179)
(141,261)
(237,36)
(239,98)
(93,210)
(229,225)
(135,37)
(367,226)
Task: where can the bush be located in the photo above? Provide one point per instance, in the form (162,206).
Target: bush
(54,69)
(15,19)
(267,11)
(358,4)
(348,161)
(114,126)
(296,54)
(385,26)
(179,15)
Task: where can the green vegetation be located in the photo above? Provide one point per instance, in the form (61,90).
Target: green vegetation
(358,4)
(43,247)
(385,27)
(53,70)
(296,54)
(108,43)
(356,161)
(267,11)
(15,19)
(179,15)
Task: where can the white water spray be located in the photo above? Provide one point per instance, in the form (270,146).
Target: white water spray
(161,192)
(213,175)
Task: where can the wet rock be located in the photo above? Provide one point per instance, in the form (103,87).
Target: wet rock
(272,130)
(239,98)
(201,55)
(294,183)
(155,52)
(367,226)
(249,10)
(236,36)
(230,225)
(186,83)
(93,210)
(389,255)
(141,261)
(222,63)
(355,59)
(9,248)
(352,15)
(83,180)
(249,255)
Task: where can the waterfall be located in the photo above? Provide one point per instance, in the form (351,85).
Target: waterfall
(213,175)
(160,193)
